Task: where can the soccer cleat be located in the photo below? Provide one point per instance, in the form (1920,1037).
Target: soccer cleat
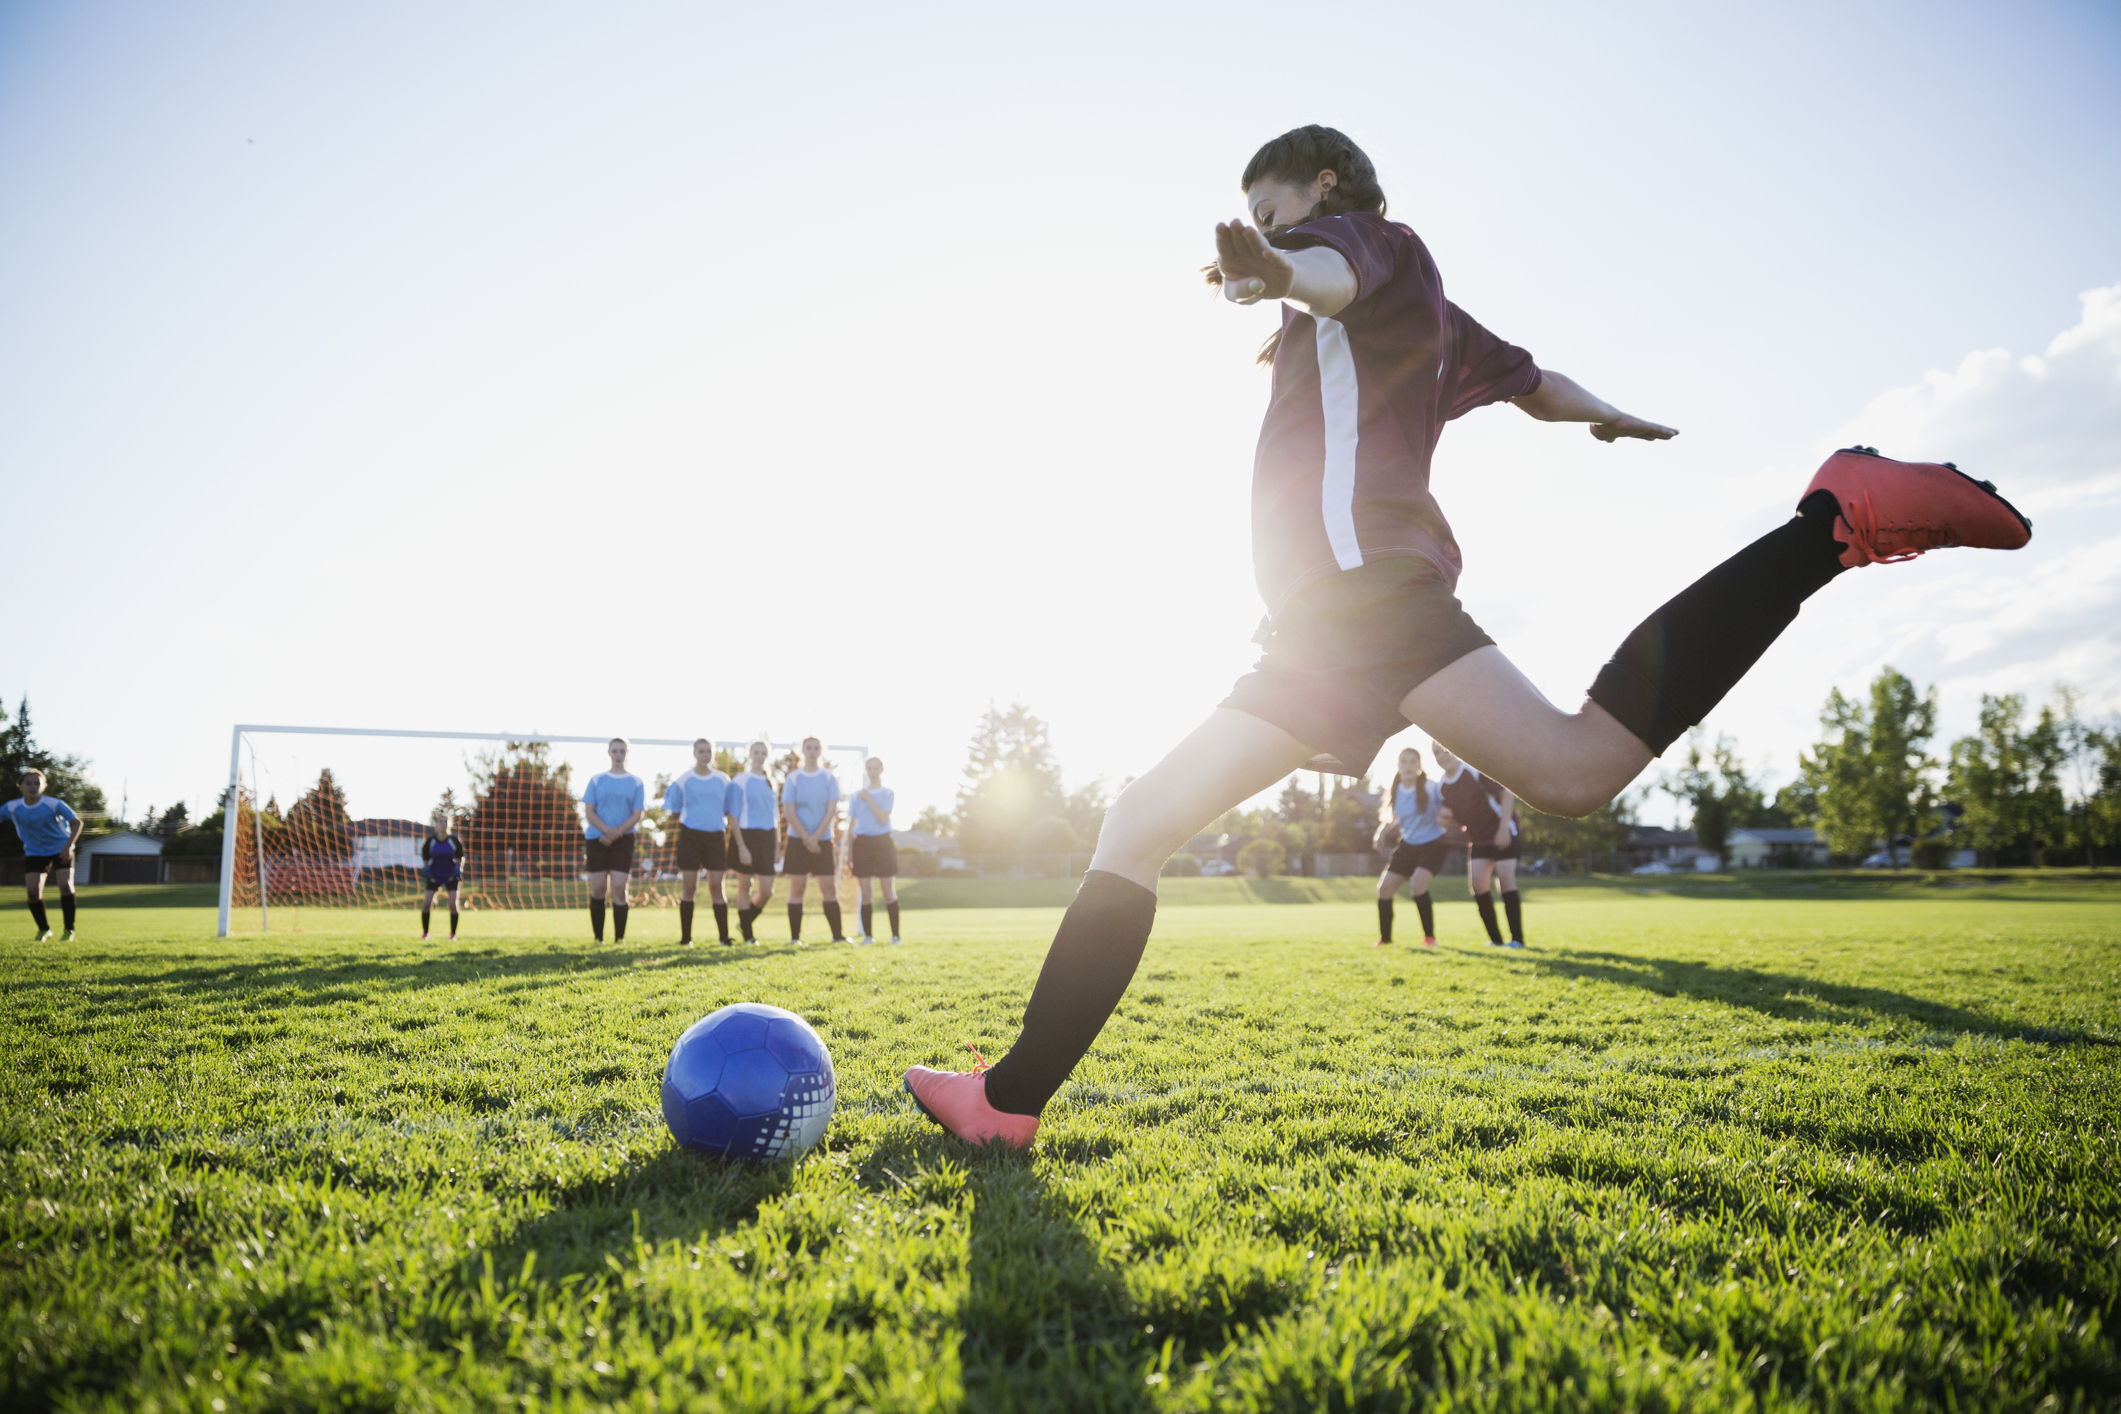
(1514,943)
(894,940)
(1428,942)
(1382,943)
(423,937)
(69,936)
(861,940)
(1494,943)
(957,1101)
(43,937)
(1892,510)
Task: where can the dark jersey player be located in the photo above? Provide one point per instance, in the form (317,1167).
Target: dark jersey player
(1415,832)
(1358,568)
(442,857)
(1487,813)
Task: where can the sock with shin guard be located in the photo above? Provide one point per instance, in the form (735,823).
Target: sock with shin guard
(452,925)
(36,912)
(892,909)
(832,921)
(868,916)
(1384,919)
(1513,909)
(721,921)
(596,918)
(66,909)
(795,922)
(1680,661)
(1087,969)
(1486,904)
(1427,906)
(618,922)
(426,914)
(745,917)
(685,906)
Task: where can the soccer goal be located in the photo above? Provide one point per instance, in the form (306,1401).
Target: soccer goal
(334,817)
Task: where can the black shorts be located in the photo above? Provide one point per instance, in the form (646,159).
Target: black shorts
(760,843)
(1409,857)
(42,864)
(613,858)
(454,881)
(702,849)
(799,859)
(1488,849)
(1346,650)
(875,857)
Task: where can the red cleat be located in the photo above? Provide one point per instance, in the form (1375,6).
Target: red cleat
(1896,510)
(958,1102)
(1382,943)
(1428,942)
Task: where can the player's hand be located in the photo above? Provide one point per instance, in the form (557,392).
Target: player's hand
(1627,426)
(1502,837)
(812,845)
(1251,269)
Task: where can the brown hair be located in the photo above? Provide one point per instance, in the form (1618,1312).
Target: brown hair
(1299,155)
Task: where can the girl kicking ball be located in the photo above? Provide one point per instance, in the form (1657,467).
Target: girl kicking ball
(1358,568)
(1487,813)
(441,869)
(1414,821)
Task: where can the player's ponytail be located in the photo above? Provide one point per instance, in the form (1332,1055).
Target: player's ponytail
(1299,155)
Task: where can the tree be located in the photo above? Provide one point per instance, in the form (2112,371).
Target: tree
(1869,774)
(1601,834)
(319,821)
(1264,858)
(1350,818)
(2007,781)
(937,822)
(1012,798)
(1722,795)
(523,816)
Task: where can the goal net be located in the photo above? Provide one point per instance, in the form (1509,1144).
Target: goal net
(334,818)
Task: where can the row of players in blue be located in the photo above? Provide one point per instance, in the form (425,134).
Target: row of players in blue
(725,824)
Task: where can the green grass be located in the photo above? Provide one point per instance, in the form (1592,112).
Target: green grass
(1712,1144)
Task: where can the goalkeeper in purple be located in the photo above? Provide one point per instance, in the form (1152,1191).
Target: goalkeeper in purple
(50,830)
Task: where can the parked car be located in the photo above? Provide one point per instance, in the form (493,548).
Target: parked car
(1217,868)
(1655,866)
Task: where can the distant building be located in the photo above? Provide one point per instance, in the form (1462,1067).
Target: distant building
(1652,844)
(1774,848)
(378,844)
(123,858)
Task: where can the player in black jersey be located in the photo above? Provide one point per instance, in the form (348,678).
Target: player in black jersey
(442,857)
(1487,812)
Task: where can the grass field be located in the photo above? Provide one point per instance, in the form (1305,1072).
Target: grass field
(1710,1145)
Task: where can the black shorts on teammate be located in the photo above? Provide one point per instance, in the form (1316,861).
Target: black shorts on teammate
(703,849)
(801,860)
(1430,856)
(875,857)
(613,858)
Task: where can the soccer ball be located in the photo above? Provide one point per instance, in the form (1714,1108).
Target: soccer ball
(750,1082)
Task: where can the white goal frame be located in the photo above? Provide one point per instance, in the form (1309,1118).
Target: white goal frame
(235,764)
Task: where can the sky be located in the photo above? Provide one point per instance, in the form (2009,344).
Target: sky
(694,369)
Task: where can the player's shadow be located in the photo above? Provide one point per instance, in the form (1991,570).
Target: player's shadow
(1045,1324)
(1792,998)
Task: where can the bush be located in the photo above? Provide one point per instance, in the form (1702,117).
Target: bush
(1933,854)
(2061,856)
(1263,858)
(1181,866)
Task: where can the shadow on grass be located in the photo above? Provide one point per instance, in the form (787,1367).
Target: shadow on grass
(1793,998)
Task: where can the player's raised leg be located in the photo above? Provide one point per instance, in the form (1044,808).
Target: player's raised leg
(754,807)
(810,806)
(875,852)
(700,800)
(612,805)
(49,830)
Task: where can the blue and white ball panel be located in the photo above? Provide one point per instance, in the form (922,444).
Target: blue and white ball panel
(750,1082)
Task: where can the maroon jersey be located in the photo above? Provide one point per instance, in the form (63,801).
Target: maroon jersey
(1342,473)
(1473,803)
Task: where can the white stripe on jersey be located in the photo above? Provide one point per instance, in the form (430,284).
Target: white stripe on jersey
(1340,401)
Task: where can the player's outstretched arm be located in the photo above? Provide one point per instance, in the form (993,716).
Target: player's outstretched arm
(1560,398)
(1318,278)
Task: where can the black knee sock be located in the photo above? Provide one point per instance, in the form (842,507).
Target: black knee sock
(891,908)
(36,911)
(596,918)
(795,922)
(721,921)
(1384,919)
(452,923)
(66,909)
(1087,969)
(618,922)
(745,917)
(1680,661)
(684,921)
(426,915)
(1427,906)
(1486,904)
(1513,909)
(868,913)
(832,921)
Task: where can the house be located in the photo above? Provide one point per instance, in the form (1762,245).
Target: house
(946,852)
(378,844)
(1216,846)
(122,858)
(1651,844)
(1774,848)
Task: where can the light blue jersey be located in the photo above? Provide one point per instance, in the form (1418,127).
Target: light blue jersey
(699,801)
(613,795)
(752,801)
(865,821)
(1416,825)
(810,792)
(45,827)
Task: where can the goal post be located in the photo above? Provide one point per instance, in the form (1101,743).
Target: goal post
(333,817)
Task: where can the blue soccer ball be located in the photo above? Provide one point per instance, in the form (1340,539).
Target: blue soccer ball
(750,1082)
